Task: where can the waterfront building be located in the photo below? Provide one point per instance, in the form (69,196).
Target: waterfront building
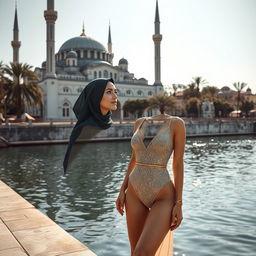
(81,59)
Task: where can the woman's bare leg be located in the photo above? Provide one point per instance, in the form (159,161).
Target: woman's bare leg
(136,214)
(157,224)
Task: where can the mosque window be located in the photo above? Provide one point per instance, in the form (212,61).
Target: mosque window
(105,74)
(99,74)
(65,110)
(115,76)
(78,54)
(74,62)
(111,74)
(139,92)
(92,54)
(98,54)
(95,74)
(149,93)
(128,92)
(79,89)
(103,55)
(65,89)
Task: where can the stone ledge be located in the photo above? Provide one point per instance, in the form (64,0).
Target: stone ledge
(24,230)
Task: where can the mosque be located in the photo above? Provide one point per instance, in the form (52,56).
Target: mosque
(81,59)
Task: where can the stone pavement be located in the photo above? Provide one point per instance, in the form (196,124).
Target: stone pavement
(24,230)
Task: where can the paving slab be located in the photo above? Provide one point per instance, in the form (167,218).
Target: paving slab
(25,231)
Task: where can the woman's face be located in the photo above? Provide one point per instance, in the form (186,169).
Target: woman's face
(109,99)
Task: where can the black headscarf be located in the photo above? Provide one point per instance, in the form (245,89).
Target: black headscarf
(88,114)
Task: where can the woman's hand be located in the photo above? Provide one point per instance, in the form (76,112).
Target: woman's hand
(176,216)
(120,202)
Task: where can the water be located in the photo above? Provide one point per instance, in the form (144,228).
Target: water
(219,194)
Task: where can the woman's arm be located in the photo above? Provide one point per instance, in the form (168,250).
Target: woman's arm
(177,163)
(179,139)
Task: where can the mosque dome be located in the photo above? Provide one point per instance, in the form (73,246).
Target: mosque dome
(249,91)
(123,61)
(72,54)
(225,88)
(82,42)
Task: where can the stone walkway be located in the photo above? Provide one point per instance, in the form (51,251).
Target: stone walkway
(24,230)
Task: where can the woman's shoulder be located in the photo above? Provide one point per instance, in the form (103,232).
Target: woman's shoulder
(177,122)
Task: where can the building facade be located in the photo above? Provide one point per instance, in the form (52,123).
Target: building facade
(81,59)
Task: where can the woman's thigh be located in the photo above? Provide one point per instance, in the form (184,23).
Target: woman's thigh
(136,214)
(158,222)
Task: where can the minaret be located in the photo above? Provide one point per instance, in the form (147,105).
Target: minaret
(157,37)
(16,43)
(50,16)
(111,54)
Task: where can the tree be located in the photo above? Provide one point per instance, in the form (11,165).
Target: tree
(192,107)
(22,87)
(133,106)
(191,92)
(209,91)
(198,81)
(222,108)
(246,107)
(162,102)
(239,87)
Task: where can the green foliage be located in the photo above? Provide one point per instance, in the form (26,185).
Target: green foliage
(192,107)
(222,108)
(191,92)
(21,87)
(162,102)
(239,87)
(136,106)
(246,107)
(209,92)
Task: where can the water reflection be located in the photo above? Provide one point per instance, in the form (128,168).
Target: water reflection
(219,193)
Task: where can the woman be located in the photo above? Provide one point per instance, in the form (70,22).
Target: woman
(93,111)
(152,202)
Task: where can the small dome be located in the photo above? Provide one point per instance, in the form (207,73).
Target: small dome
(72,54)
(249,90)
(123,61)
(225,88)
(44,64)
(142,79)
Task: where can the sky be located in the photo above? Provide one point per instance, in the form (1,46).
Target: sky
(214,39)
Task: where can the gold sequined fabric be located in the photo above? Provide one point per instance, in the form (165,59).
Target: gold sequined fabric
(147,181)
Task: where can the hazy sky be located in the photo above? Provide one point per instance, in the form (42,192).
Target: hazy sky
(214,39)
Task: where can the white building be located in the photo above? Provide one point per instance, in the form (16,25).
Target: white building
(81,59)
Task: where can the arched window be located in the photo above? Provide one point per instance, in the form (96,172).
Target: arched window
(98,55)
(105,74)
(99,74)
(115,76)
(74,62)
(111,75)
(95,74)
(65,89)
(79,89)
(149,93)
(139,92)
(128,92)
(65,110)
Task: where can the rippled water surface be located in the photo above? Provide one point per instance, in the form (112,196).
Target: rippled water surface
(219,194)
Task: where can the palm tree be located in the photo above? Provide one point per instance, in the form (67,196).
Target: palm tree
(198,81)
(22,87)
(162,102)
(239,87)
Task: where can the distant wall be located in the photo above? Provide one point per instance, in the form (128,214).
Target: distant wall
(61,133)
